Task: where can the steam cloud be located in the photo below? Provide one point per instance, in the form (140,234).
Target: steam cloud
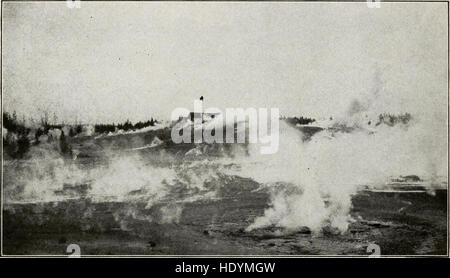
(311,183)
(320,176)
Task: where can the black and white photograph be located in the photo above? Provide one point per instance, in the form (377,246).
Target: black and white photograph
(254,129)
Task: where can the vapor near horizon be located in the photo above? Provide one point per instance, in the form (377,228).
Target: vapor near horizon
(108,62)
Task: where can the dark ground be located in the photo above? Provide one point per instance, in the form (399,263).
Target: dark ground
(217,227)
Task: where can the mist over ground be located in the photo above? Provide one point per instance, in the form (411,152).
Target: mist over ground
(88,156)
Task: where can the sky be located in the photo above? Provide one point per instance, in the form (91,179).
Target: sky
(108,62)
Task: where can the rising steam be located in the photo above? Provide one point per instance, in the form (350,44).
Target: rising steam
(310,182)
(319,177)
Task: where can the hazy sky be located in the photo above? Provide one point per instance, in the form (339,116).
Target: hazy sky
(111,61)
